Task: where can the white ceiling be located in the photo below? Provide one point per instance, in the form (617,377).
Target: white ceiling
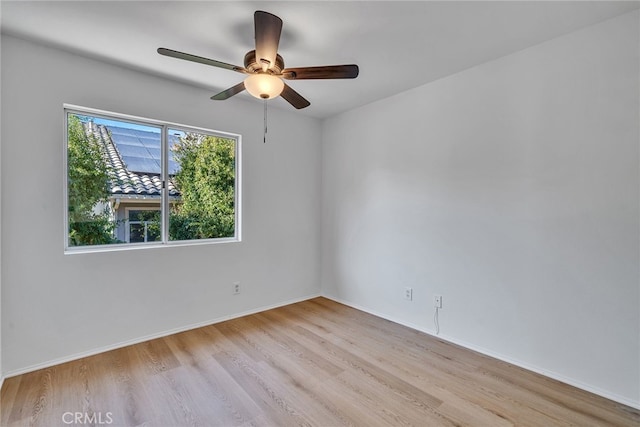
(398,45)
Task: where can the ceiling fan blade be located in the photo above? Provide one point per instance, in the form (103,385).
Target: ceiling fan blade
(294,98)
(199,59)
(226,94)
(267,32)
(323,72)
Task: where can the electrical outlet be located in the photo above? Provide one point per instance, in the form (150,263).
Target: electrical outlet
(408,294)
(437,301)
(236,288)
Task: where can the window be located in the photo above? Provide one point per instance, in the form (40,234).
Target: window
(143,225)
(141,182)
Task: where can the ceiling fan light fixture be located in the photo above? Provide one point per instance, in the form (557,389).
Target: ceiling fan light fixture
(265,66)
(264,86)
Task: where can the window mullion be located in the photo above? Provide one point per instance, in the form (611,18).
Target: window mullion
(164,156)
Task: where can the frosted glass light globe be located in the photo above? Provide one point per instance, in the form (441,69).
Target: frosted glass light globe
(264,86)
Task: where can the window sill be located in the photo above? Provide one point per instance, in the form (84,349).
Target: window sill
(136,246)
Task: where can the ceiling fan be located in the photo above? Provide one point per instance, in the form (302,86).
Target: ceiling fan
(265,68)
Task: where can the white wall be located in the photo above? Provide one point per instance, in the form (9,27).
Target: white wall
(56,305)
(511,189)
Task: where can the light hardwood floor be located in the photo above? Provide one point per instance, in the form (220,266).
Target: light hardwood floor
(315,363)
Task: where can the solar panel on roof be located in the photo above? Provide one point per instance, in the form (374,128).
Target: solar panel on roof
(135,132)
(152,153)
(151,144)
(145,133)
(141,150)
(120,131)
(119,138)
(134,150)
(174,167)
(138,164)
(123,131)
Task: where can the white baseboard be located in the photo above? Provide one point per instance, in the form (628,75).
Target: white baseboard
(99,350)
(1,381)
(554,375)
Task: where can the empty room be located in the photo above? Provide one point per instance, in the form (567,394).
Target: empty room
(340,213)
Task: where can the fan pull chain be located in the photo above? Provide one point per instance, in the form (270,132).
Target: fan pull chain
(264,139)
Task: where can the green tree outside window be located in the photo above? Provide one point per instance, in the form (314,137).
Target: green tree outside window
(90,222)
(206,181)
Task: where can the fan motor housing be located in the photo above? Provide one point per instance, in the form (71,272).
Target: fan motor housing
(251,64)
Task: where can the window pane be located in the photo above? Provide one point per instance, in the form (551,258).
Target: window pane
(153,232)
(202,189)
(112,166)
(144,225)
(134,216)
(136,233)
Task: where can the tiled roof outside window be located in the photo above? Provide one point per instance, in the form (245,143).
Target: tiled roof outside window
(125,181)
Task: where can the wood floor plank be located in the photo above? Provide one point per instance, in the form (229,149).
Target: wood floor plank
(371,372)
(314,363)
(212,380)
(311,362)
(265,395)
(8,394)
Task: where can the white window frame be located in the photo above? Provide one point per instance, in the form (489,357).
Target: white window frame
(165,202)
